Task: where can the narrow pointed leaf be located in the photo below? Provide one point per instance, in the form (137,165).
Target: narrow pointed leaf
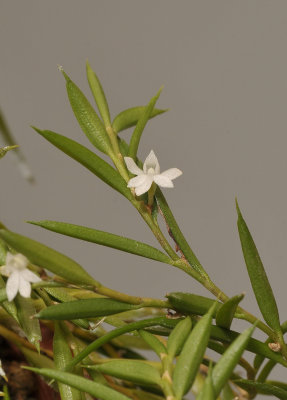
(99,95)
(130,117)
(191,355)
(207,391)
(258,278)
(62,296)
(6,395)
(254,345)
(225,314)
(62,357)
(3,252)
(136,136)
(88,159)
(9,306)
(115,333)
(178,337)
(30,326)
(263,388)
(3,296)
(37,360)
(155,344)
(87,117)
(225,366)
(87,308)
(177,234)
(105,239)
(130,370)
(48,258)
(85,385)
(266,370)
(192,303)
(227,393)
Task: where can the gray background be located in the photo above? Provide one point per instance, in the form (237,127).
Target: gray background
(223,64)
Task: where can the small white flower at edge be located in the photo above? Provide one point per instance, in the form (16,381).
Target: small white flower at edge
(19,276)
(150,173)
(2,372)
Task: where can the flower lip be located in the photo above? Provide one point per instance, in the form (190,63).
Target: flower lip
(149,174)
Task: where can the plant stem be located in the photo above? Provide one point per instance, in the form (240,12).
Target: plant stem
(143,301)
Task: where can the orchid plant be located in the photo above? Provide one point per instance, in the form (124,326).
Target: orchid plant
(79,339)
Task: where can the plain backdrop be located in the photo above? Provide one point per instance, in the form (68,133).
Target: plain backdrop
(224,67)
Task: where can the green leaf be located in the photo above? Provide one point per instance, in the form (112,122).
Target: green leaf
(258,278)
(87,308)
(136,136)
(9,306)
(130,370)
(37,360)
(227,393)
(99,95)
(225,314)
(6,393)
(106,239)
(178,337)
(62,296)
(130,117)
(207,391)
(191,355)
(264,373)
(88,159)
(48,258)
(177,234)
(254,345)
(225,366)
(263,388)
(87,117)
(30,326)
(3,295)
(115,333)
(190,303)
(3,252)
(155,344)
(86,385)
(62,357)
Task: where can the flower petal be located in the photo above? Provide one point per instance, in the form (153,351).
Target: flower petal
(151,162)
(137,180)
(6,270)
(132,167)
(163,181)
(24,287)
(29,276)
(172,173)
(12,285)
(145,186)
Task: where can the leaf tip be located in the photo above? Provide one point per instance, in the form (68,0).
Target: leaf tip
(237,208)
(61,69)
(38,130)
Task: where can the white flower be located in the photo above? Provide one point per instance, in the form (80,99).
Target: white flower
(2,372)
(150,173)
(19,276)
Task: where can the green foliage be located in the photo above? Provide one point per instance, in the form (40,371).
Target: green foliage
(105,239)
(90,357)
(87,308)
